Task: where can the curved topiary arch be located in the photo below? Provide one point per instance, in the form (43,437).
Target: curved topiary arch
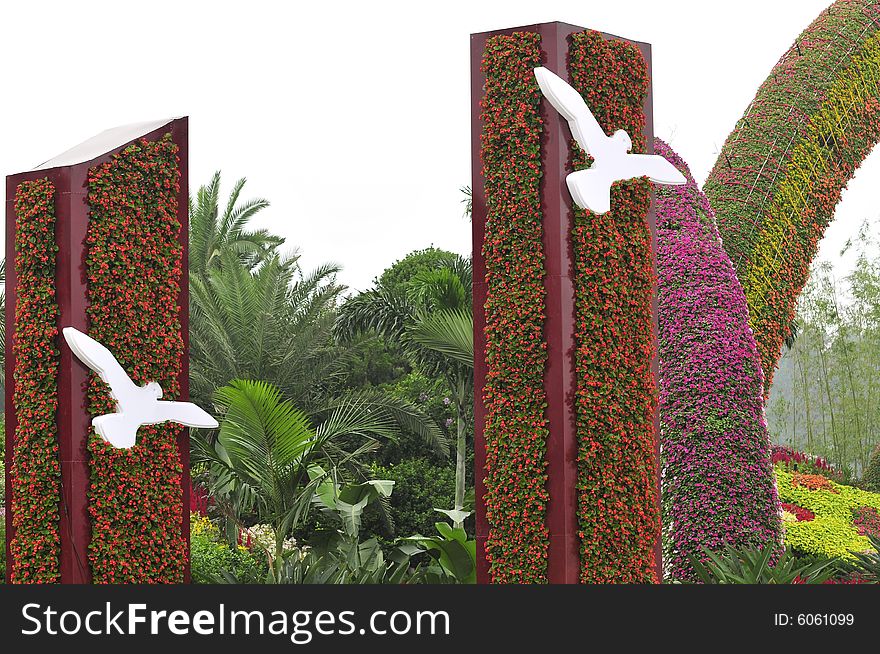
(717,472)
(781,171)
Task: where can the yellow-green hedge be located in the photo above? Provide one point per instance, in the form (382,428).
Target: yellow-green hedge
(831,532)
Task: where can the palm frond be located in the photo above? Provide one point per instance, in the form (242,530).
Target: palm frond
(385,312)
(385,416)
(262,437)
(448,332)
(438,289)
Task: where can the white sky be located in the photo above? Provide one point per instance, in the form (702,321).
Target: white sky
(353,118)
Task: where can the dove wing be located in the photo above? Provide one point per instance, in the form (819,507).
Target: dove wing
(101,360)
(569,103)
(186,413)
(655,167)
(117,429)
(591,189)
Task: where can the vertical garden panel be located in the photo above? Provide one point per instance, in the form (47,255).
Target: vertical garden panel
(120,274)
(541,502)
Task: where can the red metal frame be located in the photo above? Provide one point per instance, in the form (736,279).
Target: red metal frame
(71,224)
(563,565)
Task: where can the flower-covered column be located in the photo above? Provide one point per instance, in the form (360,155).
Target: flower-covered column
(565,339)
(96,240)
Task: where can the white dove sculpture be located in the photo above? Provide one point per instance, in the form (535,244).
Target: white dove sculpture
(591,188)
(135,405)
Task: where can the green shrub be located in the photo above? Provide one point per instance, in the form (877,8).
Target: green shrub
(209,556)
(432,396)
(871,478)
(372,362)
(420,487)
(398,276)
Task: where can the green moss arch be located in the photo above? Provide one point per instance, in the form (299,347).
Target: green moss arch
(781,171)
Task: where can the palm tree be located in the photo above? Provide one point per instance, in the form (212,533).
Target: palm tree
(271,458)
(274,323)
(212,233)
(270,323)
(468,200)
(444,318)
(432,321)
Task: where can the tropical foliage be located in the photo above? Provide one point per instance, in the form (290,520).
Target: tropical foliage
(333,556)
(429,317)
(213,234)
(454,557)
(270,323)
(759,566)
(303,425)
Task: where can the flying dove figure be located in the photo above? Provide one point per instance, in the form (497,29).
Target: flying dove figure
(591,188)
(135,405)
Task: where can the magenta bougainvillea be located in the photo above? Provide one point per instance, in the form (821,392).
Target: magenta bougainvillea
(615,399)
(35,476)
(134,267)
(717,473)
(516,428)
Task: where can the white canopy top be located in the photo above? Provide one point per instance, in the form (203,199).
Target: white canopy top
(104,142)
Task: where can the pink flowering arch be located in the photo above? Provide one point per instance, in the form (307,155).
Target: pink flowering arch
(717,473)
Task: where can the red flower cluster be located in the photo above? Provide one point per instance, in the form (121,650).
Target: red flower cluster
(516,428)
(799,512)
(833,581)
(867,520)
(848,582)
(199,499)
(812,482)
(796,461)
(619,516)
(134,266)
(36,471)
